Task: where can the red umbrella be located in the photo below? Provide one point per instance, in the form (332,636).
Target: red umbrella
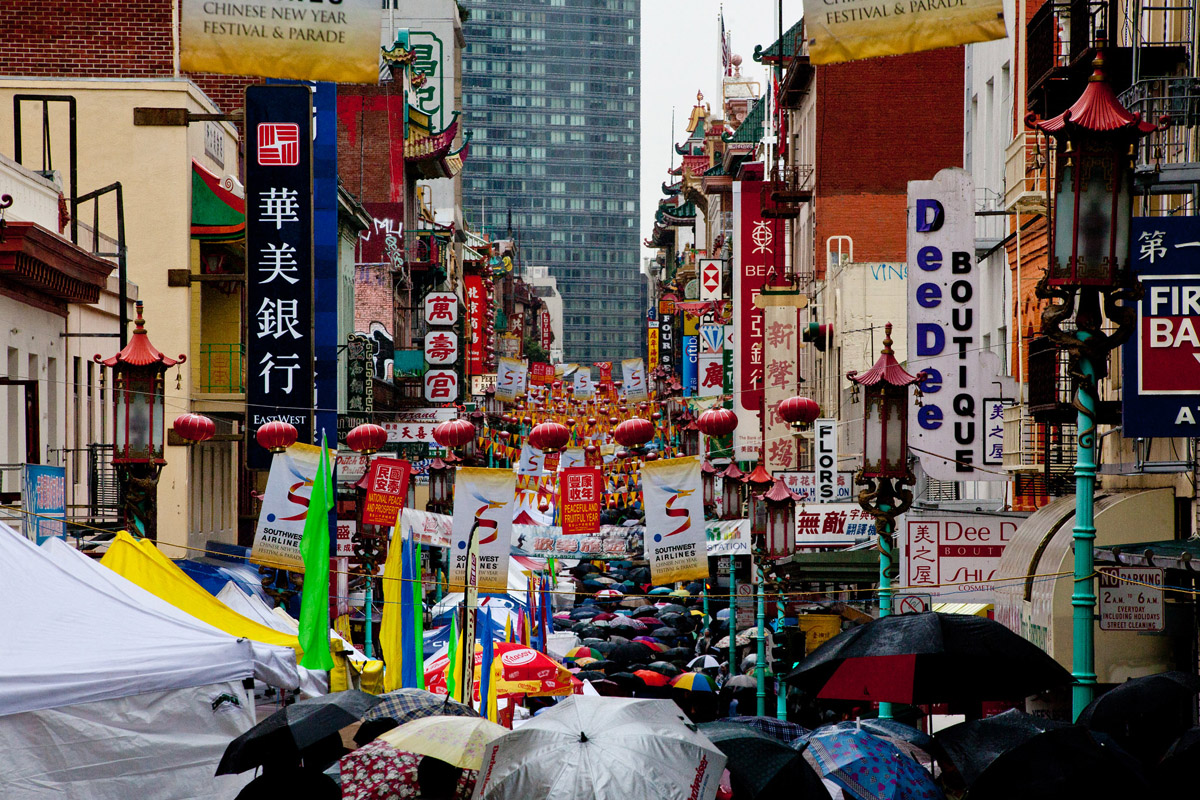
(652,678)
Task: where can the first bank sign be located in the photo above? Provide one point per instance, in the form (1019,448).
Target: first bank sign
(1160,384)
(951,430)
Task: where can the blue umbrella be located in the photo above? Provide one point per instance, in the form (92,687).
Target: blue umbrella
(866,767)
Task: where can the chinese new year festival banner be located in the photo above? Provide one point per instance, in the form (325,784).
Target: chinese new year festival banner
(482,515)
(675,534)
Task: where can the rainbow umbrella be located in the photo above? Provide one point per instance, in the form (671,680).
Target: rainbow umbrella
(576,653)
(694,682)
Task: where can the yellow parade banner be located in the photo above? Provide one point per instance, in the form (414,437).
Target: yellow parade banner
(282,39)
(849,30)
(675,541)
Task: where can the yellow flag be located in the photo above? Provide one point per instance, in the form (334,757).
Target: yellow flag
(391,636)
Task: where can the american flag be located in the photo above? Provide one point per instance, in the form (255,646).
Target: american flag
(726,55)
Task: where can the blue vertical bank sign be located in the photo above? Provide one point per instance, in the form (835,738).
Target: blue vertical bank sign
(279,263)
(949,431)
(44,501)
(1160,364)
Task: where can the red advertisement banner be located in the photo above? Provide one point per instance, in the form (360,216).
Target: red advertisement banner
(581,491)
(541,374)
(387,488)
(476,311)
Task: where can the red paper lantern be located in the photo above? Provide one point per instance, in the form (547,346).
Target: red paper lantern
(613,420)
(634,432)
(454,433)
(195,427)
(801,410)
(717,422)
(592,420)
(277,435)
(652,455)
(550,436)
(366,439)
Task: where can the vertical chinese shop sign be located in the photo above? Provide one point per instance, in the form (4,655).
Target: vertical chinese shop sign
(279,253)
(754,253)
(476,309)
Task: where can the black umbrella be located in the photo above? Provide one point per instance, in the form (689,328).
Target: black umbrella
(579,570)
(627,681)
(644,611)
(606,688)
(1145,715)
(677,655)
(1066,762)
(761,766)
(632,652)
(665,667)
(928,658)
(603,646)
(601,665)
(590,675)
(585,612)
(563,624)
(592,641)
(666,633)
(671,619)
(651,622)
(587,631)
(281,736)
(671,608)
(972,745)
(695,587)
(1175,775)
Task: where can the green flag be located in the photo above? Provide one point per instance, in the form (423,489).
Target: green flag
(418,615)
(314,550)
(452,669)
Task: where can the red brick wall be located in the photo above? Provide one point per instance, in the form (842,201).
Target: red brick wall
(369,122)
(91,39)
(881,123)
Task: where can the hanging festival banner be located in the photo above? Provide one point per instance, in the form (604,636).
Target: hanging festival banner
(387,489)
(781,338)
(633,370)
(483,515)
(541,374)
(584,388)
(531,461)
(605,368)
(572,457)
(857,29)
(285,507)
(675,537)
(426,528)
(582,490)
(247,37)
(510,379)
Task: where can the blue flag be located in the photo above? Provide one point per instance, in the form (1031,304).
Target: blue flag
(408,657)
(485,665)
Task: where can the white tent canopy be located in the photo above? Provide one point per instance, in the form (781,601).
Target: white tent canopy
(76,642)
(272,664)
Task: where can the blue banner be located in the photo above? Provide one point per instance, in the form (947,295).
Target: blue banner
(691,365)
(44,501)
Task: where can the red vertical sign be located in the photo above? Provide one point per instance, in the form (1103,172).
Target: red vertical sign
(759,239)
(475,315)
(545,329)
(581,490)
(387,489)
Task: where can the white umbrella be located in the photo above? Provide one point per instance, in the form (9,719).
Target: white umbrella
(602,748)
(704,662)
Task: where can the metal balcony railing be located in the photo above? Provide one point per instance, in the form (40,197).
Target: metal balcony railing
(1176,98)
(1060,32)
(1040,449)
(222,368)
(991,224)
(1027,168)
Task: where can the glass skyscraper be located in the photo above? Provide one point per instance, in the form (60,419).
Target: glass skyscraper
(551,96)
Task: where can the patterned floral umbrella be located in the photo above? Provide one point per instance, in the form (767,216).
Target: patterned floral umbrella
(866,767)
(378,771)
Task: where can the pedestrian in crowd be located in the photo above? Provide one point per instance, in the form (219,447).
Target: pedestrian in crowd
(437,779)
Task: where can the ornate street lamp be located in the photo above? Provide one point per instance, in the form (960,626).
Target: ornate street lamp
(708,475)
(1095,140)
(885,471)
(732,491)
(138,371)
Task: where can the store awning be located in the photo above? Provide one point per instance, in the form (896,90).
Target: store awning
(1169,554)
(970,609)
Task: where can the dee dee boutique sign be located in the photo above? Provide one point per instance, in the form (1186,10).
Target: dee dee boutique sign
(949,430)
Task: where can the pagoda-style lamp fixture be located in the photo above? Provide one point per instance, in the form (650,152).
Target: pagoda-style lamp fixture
(732,491)
(441,485)
(1095,140)
(780,503)
(708,480)
(885,470)
(138,377)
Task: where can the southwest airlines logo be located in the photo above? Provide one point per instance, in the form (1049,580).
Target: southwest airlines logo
(676,512)
(278,144)
(480,522)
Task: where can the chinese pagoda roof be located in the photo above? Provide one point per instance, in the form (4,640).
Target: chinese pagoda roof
(218,215)
(695,164)
(670,189)
(1097,110)
(886,369)
(793,43)
(759,475)
(424,147)
(779,492)
(751,129)
(139,352)
(733,472)
(680,215)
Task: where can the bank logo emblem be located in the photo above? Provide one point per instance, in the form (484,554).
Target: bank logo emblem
(278,144)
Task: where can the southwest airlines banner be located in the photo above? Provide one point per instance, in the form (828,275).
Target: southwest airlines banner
(306,41)
(633,370)
(510,379)
(284,508)
(676,545)
(482,515)
(853,29)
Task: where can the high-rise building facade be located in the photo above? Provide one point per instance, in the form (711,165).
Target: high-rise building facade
(551,98)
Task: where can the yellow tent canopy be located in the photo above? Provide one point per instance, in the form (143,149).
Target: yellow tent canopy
(143,564)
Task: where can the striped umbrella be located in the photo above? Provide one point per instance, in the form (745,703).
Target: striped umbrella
(576,653)
(694,682)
